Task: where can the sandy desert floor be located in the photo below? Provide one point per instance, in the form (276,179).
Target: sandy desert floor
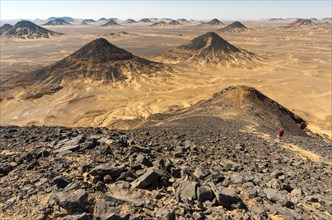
(296,73)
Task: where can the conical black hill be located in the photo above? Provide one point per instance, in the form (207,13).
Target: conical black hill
(101,50)
(210,41)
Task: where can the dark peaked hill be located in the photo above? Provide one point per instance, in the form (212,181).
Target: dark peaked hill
(68,19)
(27,29)
(5,27)
(57,21)
(131,21)
(102,19)
(111,23)
(213,22)
(98,60)
(160,24)
(183,21)
(89,21)
(302,23)
(210,48)
(248,107)
(234,27)
(174,23)
(145,20)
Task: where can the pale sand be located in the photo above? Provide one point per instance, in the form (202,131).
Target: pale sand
(297,74)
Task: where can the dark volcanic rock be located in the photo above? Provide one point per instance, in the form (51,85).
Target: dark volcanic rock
(83,216)
(74,202)
(107,169)
(151,177)
(165,213)
(217,178)
(60,181)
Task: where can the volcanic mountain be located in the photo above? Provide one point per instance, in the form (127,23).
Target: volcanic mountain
(111,23)
(213,22)
(174,23)
(102,19)
(27,29)
(89,21)
(302,23)
(234,27)
(68,19)
(210,48)
(57,21)
(183,21)
(145,20)
(241,105)
(98,60)
(5,27)
(131,21)
(160,24)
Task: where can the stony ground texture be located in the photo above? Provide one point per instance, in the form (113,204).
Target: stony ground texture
(185,171)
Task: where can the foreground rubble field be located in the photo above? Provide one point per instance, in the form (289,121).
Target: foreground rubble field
(165,172)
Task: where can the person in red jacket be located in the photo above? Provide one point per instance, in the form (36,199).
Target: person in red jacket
(280,133)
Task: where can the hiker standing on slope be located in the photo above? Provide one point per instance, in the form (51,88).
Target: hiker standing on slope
(280,134)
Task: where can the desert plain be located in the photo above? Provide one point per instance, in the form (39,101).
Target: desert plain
(295,71)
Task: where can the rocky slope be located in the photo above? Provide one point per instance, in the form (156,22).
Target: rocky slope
(211,49)
(28,30)
(206,171)
(246,106)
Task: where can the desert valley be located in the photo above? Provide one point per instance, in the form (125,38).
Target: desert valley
(166,119)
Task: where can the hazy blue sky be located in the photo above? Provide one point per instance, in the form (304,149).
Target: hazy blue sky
(12,9)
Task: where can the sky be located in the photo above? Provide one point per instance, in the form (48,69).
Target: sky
(43,9)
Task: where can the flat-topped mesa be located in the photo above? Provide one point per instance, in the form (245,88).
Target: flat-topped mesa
(236,26)
(100,50)
(27,29)
(211,49)
(302,23)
